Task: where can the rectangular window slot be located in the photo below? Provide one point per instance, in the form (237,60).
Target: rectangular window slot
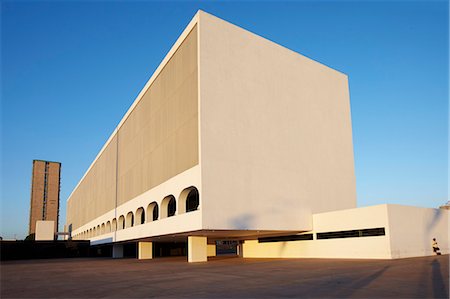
(304,237)
(370,232)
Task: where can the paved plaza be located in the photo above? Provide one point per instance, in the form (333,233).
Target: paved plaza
(226,277)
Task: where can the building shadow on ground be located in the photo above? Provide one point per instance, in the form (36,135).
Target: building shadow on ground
(358,284)
(439,288)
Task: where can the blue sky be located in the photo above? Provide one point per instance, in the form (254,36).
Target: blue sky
(70,70)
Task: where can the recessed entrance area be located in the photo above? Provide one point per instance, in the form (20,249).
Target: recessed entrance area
(166,249)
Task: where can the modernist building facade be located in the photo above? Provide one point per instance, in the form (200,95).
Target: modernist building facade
(45,187)
(233,137)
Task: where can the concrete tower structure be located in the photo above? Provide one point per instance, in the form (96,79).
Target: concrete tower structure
(45,186)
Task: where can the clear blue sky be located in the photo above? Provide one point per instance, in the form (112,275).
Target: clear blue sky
(70,70)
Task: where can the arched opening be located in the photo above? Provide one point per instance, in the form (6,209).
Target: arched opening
(114,225)
(98,230)
(168,206)
(129,220)
(140,216)
(152,212)
(108,227)
(102,229)
(94,233)
(121,223)
(189,200)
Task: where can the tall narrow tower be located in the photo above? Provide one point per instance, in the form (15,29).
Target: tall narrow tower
(44,204)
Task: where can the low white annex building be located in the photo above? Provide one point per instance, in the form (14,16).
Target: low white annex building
(235,137)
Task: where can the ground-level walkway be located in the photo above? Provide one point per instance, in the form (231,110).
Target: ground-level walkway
(426,277)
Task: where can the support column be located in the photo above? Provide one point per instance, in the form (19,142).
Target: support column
(197,249)
(211,249)
(240,249)
(117,251)
(145,250)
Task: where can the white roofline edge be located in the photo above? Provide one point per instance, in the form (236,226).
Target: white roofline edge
(173,49)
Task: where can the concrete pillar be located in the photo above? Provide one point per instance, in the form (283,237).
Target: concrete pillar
(211,249)
(240,249)
(117,251)
(197,249)
(145,250)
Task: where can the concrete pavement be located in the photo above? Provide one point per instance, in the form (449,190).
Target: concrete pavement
(425,277)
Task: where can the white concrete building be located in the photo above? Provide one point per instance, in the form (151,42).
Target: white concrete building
(235,137)
(377,232)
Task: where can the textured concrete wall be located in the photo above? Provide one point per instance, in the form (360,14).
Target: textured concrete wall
(96,194)
(181,222)
(37,193)
(45,230)
(53,188)
(409,233)
(276,136)
(412,230)
(155,141)
(351,219)
(159,139)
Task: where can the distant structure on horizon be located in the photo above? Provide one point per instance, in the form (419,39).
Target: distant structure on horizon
(45,186)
